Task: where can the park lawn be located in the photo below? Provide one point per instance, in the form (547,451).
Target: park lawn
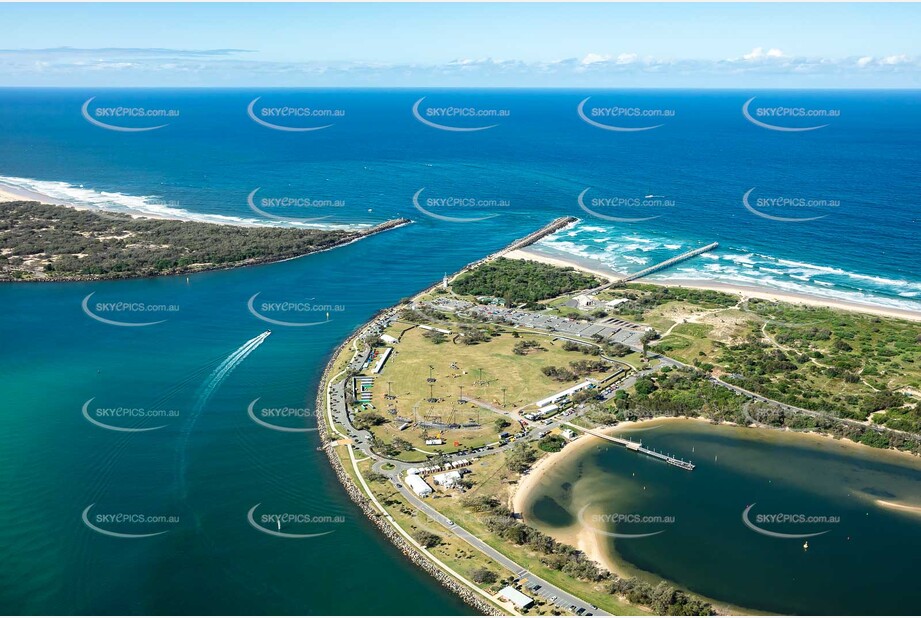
(466,437)
(483,369)
(686,343)
(342,452)
(408,369)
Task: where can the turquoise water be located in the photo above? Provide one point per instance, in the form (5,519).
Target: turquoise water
(56,463)
(863,564)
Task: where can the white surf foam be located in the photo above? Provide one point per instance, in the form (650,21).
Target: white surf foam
(151,206)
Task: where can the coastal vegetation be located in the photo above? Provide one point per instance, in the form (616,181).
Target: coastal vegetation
(675,392)
(468,385)
(521,282)
(48,242)
(840,364)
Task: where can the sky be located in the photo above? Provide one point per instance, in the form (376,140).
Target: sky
(476,45)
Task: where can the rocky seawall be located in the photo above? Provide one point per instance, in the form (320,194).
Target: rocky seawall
(359,498)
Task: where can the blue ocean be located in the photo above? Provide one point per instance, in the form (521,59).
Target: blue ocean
(848,188)
(829,211)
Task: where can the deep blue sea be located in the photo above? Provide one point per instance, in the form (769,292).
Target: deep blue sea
(851,186)
(210,463)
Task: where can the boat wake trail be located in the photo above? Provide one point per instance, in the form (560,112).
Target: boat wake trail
(223,370)
(214,381)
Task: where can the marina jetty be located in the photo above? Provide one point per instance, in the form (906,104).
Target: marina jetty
(637,447)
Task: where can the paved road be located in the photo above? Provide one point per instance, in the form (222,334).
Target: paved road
(547,590)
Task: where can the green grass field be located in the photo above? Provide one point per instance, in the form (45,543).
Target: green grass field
(481,370)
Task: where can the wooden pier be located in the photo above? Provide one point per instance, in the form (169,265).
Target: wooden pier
(637,447)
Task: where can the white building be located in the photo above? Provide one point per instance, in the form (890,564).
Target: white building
(583,302)
(390,339)
(382,359)
(563,394)
(434,441)
(516,598)
(448,480)
(437,330)
(613,303)
(419,486)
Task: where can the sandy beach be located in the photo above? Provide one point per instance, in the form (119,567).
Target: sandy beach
(12,193)
(577,536)
(9,193)
(744,292)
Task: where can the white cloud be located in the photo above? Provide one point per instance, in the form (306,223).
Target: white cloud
(892,60)
(606,58)
(164,67)
(758,53)
(594,59)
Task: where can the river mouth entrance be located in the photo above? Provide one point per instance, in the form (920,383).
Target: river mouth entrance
(768,520)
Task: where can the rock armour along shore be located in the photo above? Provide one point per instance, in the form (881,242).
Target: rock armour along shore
(358,497)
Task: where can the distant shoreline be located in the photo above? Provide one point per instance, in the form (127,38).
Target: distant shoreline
(13,193)
(311,241)
(738,290)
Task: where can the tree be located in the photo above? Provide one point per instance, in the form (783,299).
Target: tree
(434,336)
(551,444)
(644,386)
(427,539)
(521,281)
(401,445)
(484,576)
(501,423)
(520,457)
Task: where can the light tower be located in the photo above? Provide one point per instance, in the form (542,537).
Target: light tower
(444,282)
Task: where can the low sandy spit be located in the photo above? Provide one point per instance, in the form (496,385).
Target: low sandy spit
(898,506)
